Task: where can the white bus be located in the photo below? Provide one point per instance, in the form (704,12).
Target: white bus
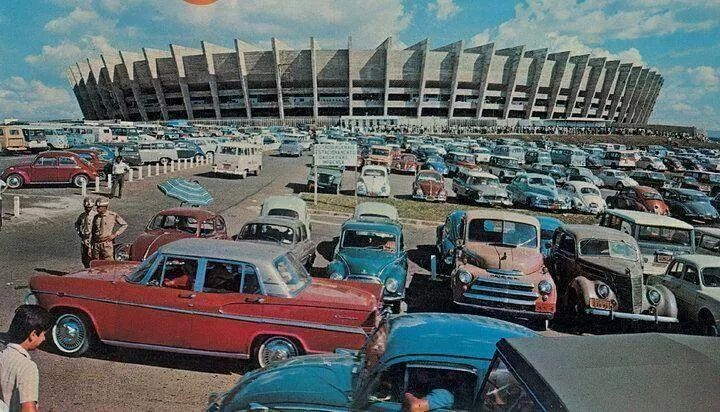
(238,159)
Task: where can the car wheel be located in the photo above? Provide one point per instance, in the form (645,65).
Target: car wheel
(15,181)
(81,180)
(619,186)
(72,334)
(164,161)
(275,349)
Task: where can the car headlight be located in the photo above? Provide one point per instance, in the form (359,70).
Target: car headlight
(123,253)
(361,187)
(31,299)
(464,276)
(653,296)
(545,287)
(602,290)
(391,285)
(336,276)
(384,189)
(419,191)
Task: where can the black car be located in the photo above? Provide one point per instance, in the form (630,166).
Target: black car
(690,205)
(648,178)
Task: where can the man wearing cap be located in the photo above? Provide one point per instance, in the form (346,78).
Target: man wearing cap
(83,227)
(103,230)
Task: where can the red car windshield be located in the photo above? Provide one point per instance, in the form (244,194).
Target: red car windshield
(182,223)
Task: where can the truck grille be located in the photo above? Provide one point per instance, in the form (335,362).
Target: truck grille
(629,293)
(324,179)
(502,293)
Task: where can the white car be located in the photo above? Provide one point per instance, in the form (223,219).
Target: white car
(586,197)
(650,163)
(374,181)
(616,178)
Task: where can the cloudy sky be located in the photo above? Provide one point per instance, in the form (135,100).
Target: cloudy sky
(680,38)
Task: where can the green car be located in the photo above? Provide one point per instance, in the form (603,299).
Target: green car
(329,179)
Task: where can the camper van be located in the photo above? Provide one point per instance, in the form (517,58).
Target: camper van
(238,159)
(82,134)
(11,139)
(515,152)
(160,151)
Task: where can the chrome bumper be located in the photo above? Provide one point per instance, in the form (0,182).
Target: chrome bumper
(633,316)
(520,313)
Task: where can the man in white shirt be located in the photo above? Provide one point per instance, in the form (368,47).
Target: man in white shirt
(19,376)
(3,187)
(118,176)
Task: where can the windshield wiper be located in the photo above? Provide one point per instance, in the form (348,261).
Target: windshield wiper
(503,244)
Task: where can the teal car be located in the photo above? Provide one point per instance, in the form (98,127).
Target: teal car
(537,191)
(445,356)
(372,250)
(329,179)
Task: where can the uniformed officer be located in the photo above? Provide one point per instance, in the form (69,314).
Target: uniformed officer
(83,227)
(103,230)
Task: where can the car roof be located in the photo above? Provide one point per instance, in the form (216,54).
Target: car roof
(200,214)
(374,167)
(715,231)
(275,220)
(230,144)
(638,372)
(284,201)
(700,261)
(643,189)
(580,184)
(650,219)
(251,252)
(386,225)
(376,208)
(448,335)
(684,191)
(502,215)
(477,173)
(598,232)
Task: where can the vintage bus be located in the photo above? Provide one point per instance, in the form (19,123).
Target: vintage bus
(239,159)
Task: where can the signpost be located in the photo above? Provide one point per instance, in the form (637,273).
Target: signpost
(340,154)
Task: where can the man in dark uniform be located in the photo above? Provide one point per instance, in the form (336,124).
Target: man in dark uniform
(83,227)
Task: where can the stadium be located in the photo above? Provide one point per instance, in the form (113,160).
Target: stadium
(482,84)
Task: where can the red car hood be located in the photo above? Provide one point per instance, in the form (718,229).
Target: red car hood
(148,242)
(525,260)
(337,294)
(431,187)
(108,272)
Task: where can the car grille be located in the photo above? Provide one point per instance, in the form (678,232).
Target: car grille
(502,293)
(324,179)
(544,203)
(629,293)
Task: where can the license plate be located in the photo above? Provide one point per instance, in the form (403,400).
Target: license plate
(663,258)
(600,304)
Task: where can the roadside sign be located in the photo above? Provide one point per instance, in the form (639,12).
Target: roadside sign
(335,154)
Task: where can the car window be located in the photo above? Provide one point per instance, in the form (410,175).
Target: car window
(502,391)
(710,243)
(182,223)
(666,235)
(267,231)
(691,275)
(222,277)
(283,212)
(67,161)
(46,161)
(604,247)
(207,228)
(289,277)
(507,233)
(175,272)
(676,269)
(219,224)
(711,277)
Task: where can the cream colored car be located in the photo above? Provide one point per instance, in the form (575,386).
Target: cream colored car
(586,197)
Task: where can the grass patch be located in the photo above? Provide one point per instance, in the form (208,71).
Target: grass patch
(412,209)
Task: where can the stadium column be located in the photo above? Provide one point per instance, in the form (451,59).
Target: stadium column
(611,69)
(240,48)
(643,82)
(151,56)
(651,104)
(111,61)
(278,79)
(482,63)
(76,90)
(313,74)
(423,47)
(578,73)
(209,50)
(386,45)
(514,54)
(350,85)
(82,91)
(178,53)
(556,77)
(535,73)
(89,82)
(629,90)
(622,79)
(596,67)
(644,97)
(107,107)
(457,58)
(129,60)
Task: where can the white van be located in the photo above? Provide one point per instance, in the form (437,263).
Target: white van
(239,159)
(209,145)
(162,152)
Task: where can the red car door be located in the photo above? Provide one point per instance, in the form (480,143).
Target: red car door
(230,308)
(67,168)
(44,170)
(159,312)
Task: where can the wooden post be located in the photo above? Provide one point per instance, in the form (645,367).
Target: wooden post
(140,173)
(130,176)
(149,173)
(172,166)
(165,169)
(16,206)
(157,169)
(83,192)
(97,184)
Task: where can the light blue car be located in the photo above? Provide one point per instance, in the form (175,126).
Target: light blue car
(537,191)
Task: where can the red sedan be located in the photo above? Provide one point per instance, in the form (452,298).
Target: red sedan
(170,225)
(241,300)
(50,167)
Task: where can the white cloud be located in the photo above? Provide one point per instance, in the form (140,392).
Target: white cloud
(443,9)
(705,76)
(57,58)
(685,95)
(77,19)
(33,99)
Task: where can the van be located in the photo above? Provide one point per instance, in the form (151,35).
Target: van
(162,152)
(239,159)
(35,139)
(56,137)
(567,156)
(515,152)
(619,159)
(80,135)
(11,139)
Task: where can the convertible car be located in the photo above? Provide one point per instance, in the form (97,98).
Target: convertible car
(243,300)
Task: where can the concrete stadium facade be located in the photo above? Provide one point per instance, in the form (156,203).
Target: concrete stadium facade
(454,82)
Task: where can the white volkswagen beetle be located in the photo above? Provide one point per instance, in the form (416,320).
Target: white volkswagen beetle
(586,197)
(373,181)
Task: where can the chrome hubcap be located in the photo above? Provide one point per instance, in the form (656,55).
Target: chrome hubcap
(69,333)
(276,350)
(13,181)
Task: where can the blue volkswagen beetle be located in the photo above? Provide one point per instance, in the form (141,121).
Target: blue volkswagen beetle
(435,163)
(547,229)
(429,355)
(372,250)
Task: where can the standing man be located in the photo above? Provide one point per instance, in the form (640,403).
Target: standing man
(103,230)
(83,227)
(3,187)
(19,376)
(118,176)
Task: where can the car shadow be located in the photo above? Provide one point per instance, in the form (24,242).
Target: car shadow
(297,187)
(211,174)
(51,271)
(427,295)
(326,248)
(421,255)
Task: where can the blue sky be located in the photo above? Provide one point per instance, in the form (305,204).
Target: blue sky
(679,38)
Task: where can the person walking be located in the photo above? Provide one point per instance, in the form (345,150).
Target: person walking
(83,227)
(104,232)
(3,187)
(19,375)
(119,169)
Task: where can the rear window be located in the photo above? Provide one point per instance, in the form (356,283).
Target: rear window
(284,212)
